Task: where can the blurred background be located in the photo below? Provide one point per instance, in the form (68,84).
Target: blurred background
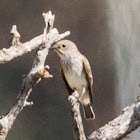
(106,32)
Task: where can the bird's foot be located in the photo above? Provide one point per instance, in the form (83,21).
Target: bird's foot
(74,98)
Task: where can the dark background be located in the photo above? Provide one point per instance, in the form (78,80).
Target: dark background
(106,32)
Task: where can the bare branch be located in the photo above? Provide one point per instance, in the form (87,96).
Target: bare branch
(78,128)
(121,126)
(118,128)
(37,72)
(18,49)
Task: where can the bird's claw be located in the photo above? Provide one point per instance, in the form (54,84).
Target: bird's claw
(73,99)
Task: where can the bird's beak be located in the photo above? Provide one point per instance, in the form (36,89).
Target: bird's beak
(52,48)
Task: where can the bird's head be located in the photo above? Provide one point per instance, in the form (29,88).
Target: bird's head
(64,48)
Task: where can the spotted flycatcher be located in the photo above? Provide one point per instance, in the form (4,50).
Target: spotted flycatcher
(76,73)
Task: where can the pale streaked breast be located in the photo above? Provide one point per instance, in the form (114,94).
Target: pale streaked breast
(73,71)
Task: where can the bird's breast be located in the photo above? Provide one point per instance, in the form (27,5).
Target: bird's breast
(74,74)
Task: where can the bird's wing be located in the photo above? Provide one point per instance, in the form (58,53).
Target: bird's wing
(87,68)
(65,81)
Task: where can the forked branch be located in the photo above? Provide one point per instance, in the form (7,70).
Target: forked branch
(38,70)
(16,48)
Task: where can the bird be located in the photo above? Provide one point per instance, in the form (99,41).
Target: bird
(76,73)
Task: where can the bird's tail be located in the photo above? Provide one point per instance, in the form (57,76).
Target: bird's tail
(88,111)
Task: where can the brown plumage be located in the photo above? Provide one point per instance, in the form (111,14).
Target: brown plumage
(76,73)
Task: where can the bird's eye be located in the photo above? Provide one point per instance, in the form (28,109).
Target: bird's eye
(63,46)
